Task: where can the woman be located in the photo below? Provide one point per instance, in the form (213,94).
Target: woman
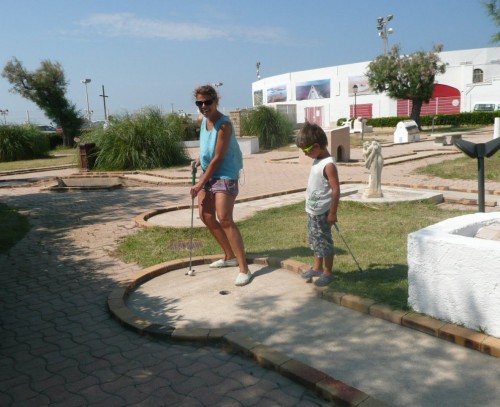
(217,188)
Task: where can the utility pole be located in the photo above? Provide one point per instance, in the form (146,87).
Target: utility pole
(104,96)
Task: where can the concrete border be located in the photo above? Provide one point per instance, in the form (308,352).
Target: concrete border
(324,385)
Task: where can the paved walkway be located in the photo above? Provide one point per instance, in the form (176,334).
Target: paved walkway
(60,347)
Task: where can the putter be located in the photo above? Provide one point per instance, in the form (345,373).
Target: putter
(191,272)
(346,245)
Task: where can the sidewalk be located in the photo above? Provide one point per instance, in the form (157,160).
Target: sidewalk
(59,345)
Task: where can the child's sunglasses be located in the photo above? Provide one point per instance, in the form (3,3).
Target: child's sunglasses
(207,102)
(307,150)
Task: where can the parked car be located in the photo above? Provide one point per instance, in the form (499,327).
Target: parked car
(92,125)
(46,129)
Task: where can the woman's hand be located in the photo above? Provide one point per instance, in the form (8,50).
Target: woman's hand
(195,189)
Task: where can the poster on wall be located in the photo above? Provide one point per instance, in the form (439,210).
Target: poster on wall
(319,89)
(362,83)
(258,97)
(276,94)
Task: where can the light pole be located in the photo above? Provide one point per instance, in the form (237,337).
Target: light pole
(4,113)
(383,30)
(218,85)
(355,90)
(86,82)
(258,70)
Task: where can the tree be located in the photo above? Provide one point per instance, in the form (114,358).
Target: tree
(406,76)
(46,87)
(493,8)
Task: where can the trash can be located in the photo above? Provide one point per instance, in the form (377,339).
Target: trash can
(87,156)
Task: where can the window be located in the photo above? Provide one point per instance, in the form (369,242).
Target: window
(477,76)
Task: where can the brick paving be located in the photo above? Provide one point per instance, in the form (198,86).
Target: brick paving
(60,347)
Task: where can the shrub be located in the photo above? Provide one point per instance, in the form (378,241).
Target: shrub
(144,140)
(185,125)
(19,142)
(272,127)
(458,119)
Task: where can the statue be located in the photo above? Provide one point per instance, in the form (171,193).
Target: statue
(372,153)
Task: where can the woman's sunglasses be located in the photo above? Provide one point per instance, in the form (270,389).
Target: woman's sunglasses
(207,102)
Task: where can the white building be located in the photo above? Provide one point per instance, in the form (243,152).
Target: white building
(325,95)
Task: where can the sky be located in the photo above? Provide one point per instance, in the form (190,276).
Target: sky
(155,52)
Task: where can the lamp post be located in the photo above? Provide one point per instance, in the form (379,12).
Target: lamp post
(258,70)
(218,85)
(355,90)
(4,113)
(383,30)
(86,82)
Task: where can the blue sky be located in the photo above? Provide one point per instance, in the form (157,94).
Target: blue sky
(155,52)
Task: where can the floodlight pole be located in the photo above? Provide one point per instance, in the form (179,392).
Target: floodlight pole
(86,82)
(4,113)
(384,31)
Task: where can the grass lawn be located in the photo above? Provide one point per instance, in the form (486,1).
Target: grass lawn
(57,157)
(376,234)
(16,224)
(464,168)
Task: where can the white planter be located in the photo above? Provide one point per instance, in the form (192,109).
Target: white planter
(454,276)
(248,145)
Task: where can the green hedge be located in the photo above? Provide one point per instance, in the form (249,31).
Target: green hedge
(20,142)
(458,119)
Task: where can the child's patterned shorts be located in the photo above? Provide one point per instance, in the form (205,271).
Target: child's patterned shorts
(320,235)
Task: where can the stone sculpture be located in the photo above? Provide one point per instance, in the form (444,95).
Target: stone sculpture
(372,153)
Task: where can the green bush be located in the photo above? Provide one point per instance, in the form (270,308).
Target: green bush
(272,127)
(55,140)
(458,119)
(185,125)
(19,142)
(144,140)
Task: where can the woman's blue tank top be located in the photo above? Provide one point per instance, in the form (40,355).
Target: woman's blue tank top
(233,160)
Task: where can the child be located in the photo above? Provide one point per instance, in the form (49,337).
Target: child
(322,200)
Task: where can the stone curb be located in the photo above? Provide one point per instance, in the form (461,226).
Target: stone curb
(326,386)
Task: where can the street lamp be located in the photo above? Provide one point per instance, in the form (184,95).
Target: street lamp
(217,85)
(86,82)
(4,113)
(355,90)
(258,70)
(383,30)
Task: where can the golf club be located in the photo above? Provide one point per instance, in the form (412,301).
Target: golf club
(191,272)
(346,245)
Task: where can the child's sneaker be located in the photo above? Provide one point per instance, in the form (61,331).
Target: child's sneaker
(306,275)
(324,280)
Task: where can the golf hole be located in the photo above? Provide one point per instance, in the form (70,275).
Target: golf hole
(224,292)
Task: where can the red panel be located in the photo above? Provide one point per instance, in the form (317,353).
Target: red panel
(363,110)
(440,105)
(445,100)
(445,91)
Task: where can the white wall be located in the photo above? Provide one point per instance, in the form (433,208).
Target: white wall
(461,65)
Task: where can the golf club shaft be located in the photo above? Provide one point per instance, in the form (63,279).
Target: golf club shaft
(346,245)
(193,180)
